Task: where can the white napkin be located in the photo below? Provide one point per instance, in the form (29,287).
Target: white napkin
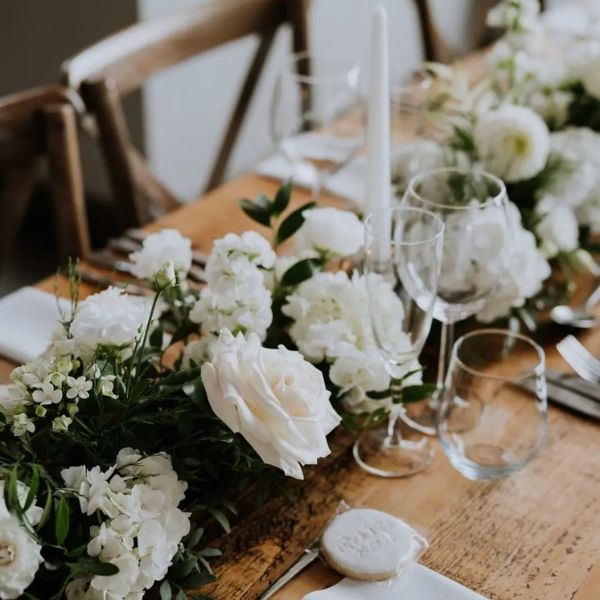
(415,583)
(350,182)
(28,317)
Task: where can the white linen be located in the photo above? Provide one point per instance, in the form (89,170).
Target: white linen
(28,317)
(350,182)
(415,583)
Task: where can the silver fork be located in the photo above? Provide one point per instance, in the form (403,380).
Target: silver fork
(583,362)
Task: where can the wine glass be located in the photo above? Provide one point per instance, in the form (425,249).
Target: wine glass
(317,116)
(403,249)
(504,373)
(473,205)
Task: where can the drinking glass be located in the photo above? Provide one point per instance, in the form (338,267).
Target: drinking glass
(477,254)
(504,373)
(403,249)
(317,116)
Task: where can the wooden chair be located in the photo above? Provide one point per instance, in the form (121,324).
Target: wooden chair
(37,124)
(119,64)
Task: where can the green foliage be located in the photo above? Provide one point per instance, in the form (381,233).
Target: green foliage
(292,223)
(263,210)
(301,271)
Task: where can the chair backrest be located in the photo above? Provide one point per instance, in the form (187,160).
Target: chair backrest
(36,124)
(122,62)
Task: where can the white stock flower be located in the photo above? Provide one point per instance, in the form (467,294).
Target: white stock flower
(329,231)
(165,248)
(275,399)
(109,318)
(47,394)
(78,388)
(558,228)
(197,351)
(61,424)
(22,424)
(20,558)
(525,277)
(513,142)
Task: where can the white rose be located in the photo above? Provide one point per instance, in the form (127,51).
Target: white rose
(329,231)
(274,398)
(158,249)
(109,318)
(558,228)
(513,142)
(20,558)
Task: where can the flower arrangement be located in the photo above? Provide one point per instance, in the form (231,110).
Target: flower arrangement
(533,121)
(149,417)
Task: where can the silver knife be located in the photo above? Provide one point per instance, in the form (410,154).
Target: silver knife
(572,399)
(574,383)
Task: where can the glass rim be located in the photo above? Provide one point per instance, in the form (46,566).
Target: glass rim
(464,171)
(403,209)
(507,333)
(353,67)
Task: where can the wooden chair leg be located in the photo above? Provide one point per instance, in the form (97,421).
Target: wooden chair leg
(67,181)
(103,101)
(16,193)
(241,108)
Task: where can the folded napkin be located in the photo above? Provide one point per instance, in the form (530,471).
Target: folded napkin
(28,317)
(415,583)
(350,182)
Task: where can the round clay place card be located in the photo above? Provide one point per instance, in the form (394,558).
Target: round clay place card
(368,544)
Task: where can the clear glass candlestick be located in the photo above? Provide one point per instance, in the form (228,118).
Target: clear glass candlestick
(403,248)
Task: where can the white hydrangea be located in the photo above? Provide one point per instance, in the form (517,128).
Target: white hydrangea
(142,526)
(525,277)
(109,318)
(20,554)
(164,252)
(557,228)
(512,142)
(521,20)
(329,231)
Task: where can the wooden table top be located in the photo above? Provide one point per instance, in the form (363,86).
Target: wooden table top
(534,535)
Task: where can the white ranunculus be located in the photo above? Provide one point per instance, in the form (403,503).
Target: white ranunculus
(329,231)
(524,279)
(167,247)
(20,558)
(558,228)
(275,399)
(109,318)
(513,142)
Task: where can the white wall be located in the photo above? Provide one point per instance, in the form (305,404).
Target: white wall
(187,107)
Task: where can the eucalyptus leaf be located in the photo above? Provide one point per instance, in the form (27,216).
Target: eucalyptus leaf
(62,522)
(292,223)
(165,590)
(221,519)
(198,580)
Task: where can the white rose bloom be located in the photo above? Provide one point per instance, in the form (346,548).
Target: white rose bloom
(20,558)
(524,278)
(275,399)
(558,228)
(513,142)
(159,249)
(109,318)
(329,231)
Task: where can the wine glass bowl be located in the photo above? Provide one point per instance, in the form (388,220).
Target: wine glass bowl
(317,116)
(503,372)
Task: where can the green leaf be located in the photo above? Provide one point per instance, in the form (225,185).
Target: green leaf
(301,271)
(34,485)
(62,523)
(47,507)
(11,496)
(97,567)
(76,552)
(378,395)
(282,198)
(257,213)
(195,537)
(183,568)
(198,580)
(221,519)
(181,595)
(211,552)
(292,223)
(165,590)
(416,393)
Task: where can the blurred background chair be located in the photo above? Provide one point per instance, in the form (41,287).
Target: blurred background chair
(119,64)
(39,126)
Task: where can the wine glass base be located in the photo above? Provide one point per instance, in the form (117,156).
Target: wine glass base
(376,455)
(422,415)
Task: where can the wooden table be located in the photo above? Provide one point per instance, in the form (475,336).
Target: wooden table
(533,536)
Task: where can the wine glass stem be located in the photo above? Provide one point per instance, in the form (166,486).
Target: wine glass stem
(446,343)
(393,435)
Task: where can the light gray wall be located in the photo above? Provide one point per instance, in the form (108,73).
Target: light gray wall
(187,107)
